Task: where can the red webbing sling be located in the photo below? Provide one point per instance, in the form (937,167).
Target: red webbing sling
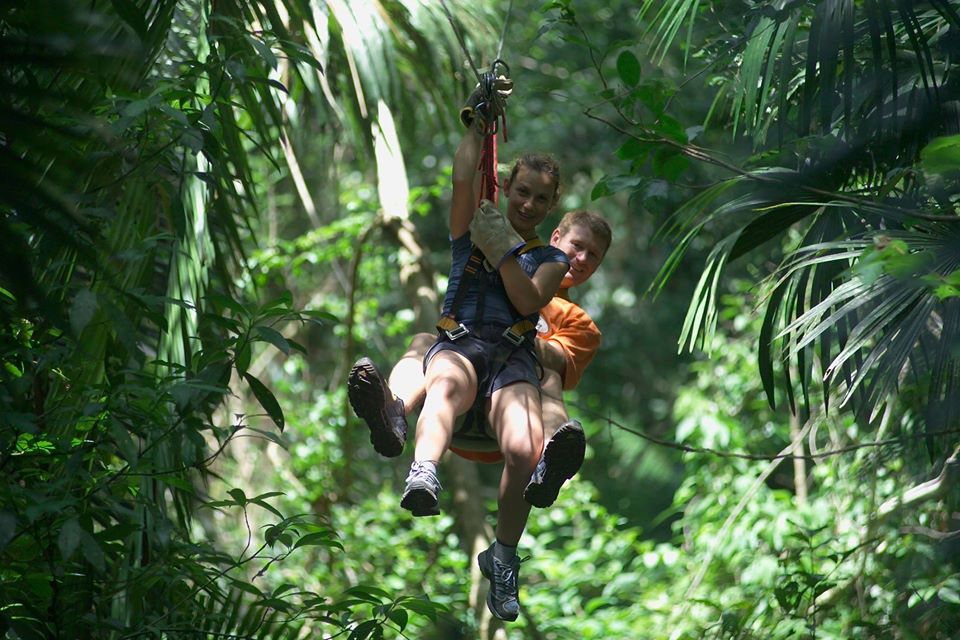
(489,190)
(489,187)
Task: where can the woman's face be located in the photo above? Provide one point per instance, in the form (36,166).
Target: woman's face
(531,196)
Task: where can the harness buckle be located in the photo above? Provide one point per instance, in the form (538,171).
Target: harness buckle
(514,338)
(457,332)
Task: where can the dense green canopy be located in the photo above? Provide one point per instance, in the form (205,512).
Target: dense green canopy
(208,210)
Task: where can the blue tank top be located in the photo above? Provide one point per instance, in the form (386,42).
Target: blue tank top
(497,309)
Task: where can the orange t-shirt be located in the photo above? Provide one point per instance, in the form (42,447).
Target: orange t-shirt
(570,328)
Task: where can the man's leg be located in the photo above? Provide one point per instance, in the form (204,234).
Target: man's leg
(515,415)
(564,451)
(385,407)
(451,388)
(554,411)
(407,379)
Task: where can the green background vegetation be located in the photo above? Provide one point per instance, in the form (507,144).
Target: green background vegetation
(208,210)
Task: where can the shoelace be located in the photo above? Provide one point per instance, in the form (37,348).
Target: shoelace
(506,578)
(420,468)
(505,572)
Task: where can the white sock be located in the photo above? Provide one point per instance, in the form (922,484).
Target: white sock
(503,553)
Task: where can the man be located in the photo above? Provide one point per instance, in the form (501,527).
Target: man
(566,343)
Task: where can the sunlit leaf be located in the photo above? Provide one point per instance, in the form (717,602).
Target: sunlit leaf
(941,155)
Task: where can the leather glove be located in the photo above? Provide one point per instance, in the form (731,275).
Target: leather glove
(493,235)
(480,110)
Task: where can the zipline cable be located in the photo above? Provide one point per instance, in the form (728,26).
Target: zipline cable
(503,34)
(463,44)
(486,80)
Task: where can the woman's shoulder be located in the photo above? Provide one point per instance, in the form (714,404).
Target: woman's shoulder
(549,253)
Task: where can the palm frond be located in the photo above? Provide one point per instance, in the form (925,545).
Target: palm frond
(854,92)
(667,21)
(882,315)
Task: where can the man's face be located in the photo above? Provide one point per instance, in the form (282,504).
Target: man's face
(531,195)
(584,251)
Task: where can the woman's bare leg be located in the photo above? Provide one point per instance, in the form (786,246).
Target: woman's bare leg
(451,386)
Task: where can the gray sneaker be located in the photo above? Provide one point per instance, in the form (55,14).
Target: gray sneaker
(503,598)
(373,402)
(420,494)
(560,461)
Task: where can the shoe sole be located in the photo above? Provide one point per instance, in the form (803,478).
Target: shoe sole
(366,398)
(563,457)
(420,502)
(483,570)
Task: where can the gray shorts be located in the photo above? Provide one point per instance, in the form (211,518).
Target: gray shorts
(520,366)
(472,430)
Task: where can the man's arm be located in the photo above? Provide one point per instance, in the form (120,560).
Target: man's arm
(570,344)
(572,338)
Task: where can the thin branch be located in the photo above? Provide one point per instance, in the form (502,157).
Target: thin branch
(928,490)
(760,456)
(940,536)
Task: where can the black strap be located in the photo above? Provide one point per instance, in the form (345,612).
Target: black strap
(483,280)
(474,263)
(472,271)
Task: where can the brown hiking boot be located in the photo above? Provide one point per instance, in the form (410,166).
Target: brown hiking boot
(373,402)
(561,459)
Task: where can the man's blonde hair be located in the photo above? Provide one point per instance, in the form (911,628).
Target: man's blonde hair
(591,220)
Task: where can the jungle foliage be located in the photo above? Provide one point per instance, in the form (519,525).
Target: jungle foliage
(209,209)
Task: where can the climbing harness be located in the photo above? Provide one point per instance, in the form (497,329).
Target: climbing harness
(476,272)
(495,348)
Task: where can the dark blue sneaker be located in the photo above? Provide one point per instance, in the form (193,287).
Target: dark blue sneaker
(561,459)
(420,494)
(503,598)
(373,402)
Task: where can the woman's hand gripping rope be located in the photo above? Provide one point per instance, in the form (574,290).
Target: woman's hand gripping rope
(486,103)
